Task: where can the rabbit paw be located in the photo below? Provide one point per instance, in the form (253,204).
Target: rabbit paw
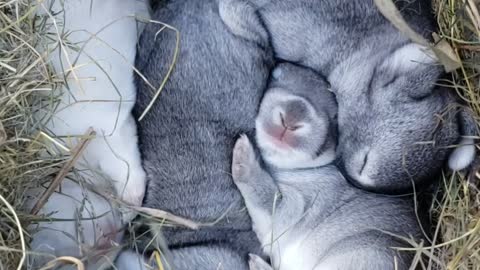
(243,159)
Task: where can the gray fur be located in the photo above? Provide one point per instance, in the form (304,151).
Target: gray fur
(198,258)
(313,216)
(317,220)
(390,130)
(187,137)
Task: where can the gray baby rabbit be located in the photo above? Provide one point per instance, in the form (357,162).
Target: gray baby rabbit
(394,126)
(311,217)
(297,120)
(187,137)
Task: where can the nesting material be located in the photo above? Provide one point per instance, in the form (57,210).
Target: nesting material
(26,87)
(456,241)
(30,158)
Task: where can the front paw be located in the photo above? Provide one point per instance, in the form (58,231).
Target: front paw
(243,159)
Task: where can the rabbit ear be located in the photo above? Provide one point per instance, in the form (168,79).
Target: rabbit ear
(242,19)
(464,154)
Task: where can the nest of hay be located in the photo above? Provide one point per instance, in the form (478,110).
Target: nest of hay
(28,86)
(456,242)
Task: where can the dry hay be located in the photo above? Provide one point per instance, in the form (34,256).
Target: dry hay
(27,86)
(457,207)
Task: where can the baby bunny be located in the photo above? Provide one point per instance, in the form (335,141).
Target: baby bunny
(394,123)
(100,90)
(94,53)
(311,217)
(296,120)
(186,138)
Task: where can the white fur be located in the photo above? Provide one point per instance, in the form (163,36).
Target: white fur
(277,73)
(88,221)
(101,99)
(463,155)
(100,94)
(129,260)
(359,72)
(292,254)
(409,57)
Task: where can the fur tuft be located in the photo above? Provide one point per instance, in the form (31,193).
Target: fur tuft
(462,156)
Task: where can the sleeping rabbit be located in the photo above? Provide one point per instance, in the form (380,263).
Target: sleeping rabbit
(186,137)
(304,212)
(396,125)
(93,49)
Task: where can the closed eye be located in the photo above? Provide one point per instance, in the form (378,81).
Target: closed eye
(419,98)
(390,82)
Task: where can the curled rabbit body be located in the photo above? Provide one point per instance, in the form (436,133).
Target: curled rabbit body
(94,52)
(186,138)
(310,217)
(395,124)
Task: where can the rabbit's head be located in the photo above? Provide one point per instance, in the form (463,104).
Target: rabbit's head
(395,123)
(295,125)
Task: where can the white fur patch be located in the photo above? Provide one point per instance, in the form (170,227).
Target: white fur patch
(462,156)
(409,57)
(101,101)
(129,260)
(277,73)
(294,256)
(351,74)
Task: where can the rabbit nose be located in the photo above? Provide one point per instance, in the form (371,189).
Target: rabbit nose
(288,123)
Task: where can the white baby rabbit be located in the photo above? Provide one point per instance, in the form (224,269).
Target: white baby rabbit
(100,91)
(96,59)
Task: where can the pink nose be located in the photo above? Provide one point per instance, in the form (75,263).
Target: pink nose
(278,132)
(281,136)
